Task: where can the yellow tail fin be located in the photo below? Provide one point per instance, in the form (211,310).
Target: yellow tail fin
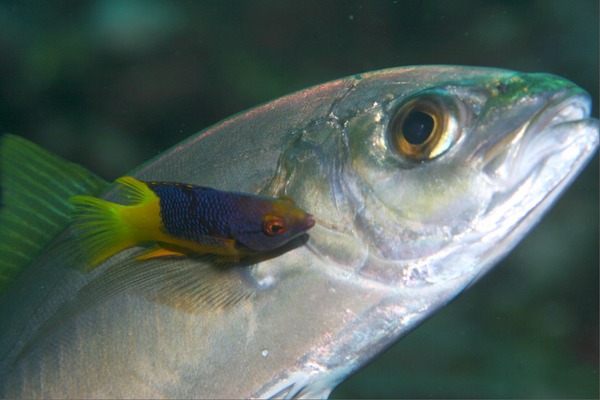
(100,228)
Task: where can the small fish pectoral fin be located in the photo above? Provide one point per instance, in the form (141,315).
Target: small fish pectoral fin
(215,245)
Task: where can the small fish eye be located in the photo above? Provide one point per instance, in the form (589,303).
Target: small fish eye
(423,128)
(273,225)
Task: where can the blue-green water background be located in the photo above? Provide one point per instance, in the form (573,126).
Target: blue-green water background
(111,83)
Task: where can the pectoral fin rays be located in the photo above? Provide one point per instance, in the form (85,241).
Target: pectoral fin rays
(189,284)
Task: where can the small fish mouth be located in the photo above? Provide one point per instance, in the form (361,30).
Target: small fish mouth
(309,222)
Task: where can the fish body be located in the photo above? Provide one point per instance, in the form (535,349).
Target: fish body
(186,219)
(412,209)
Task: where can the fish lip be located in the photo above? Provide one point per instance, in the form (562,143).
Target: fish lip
(571,106)
(541,138)
(309,222)
(556,127)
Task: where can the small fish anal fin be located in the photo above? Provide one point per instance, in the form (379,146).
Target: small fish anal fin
(207,253)
(156,252)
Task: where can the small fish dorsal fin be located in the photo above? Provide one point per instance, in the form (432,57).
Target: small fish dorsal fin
(134,191)
(35,186)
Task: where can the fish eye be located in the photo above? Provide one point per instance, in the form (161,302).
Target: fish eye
(423,128)
(273,225)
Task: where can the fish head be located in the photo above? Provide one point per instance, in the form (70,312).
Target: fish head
(436,179)
(420,181)
(273,223)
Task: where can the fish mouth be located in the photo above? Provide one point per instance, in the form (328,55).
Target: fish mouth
(549,143)
(557,136)
(539,160)
(309,222)
(554,147)
(559,117)
(569,108)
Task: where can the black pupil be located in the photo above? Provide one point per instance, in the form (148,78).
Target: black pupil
(417,127)
(275,228)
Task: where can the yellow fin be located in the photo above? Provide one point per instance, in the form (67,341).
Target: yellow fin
(166,250)
(134,191)
(158,251)
(100,228)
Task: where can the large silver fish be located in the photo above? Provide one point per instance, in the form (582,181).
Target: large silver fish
(420,178)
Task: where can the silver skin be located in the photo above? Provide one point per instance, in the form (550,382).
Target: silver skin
(395,240)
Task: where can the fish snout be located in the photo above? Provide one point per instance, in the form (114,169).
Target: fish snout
(309,222)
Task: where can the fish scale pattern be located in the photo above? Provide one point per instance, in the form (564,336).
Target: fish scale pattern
(194,212)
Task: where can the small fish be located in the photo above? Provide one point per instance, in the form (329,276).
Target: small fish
(185,219)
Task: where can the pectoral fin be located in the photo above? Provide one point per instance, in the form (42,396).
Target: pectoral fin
(192,284)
